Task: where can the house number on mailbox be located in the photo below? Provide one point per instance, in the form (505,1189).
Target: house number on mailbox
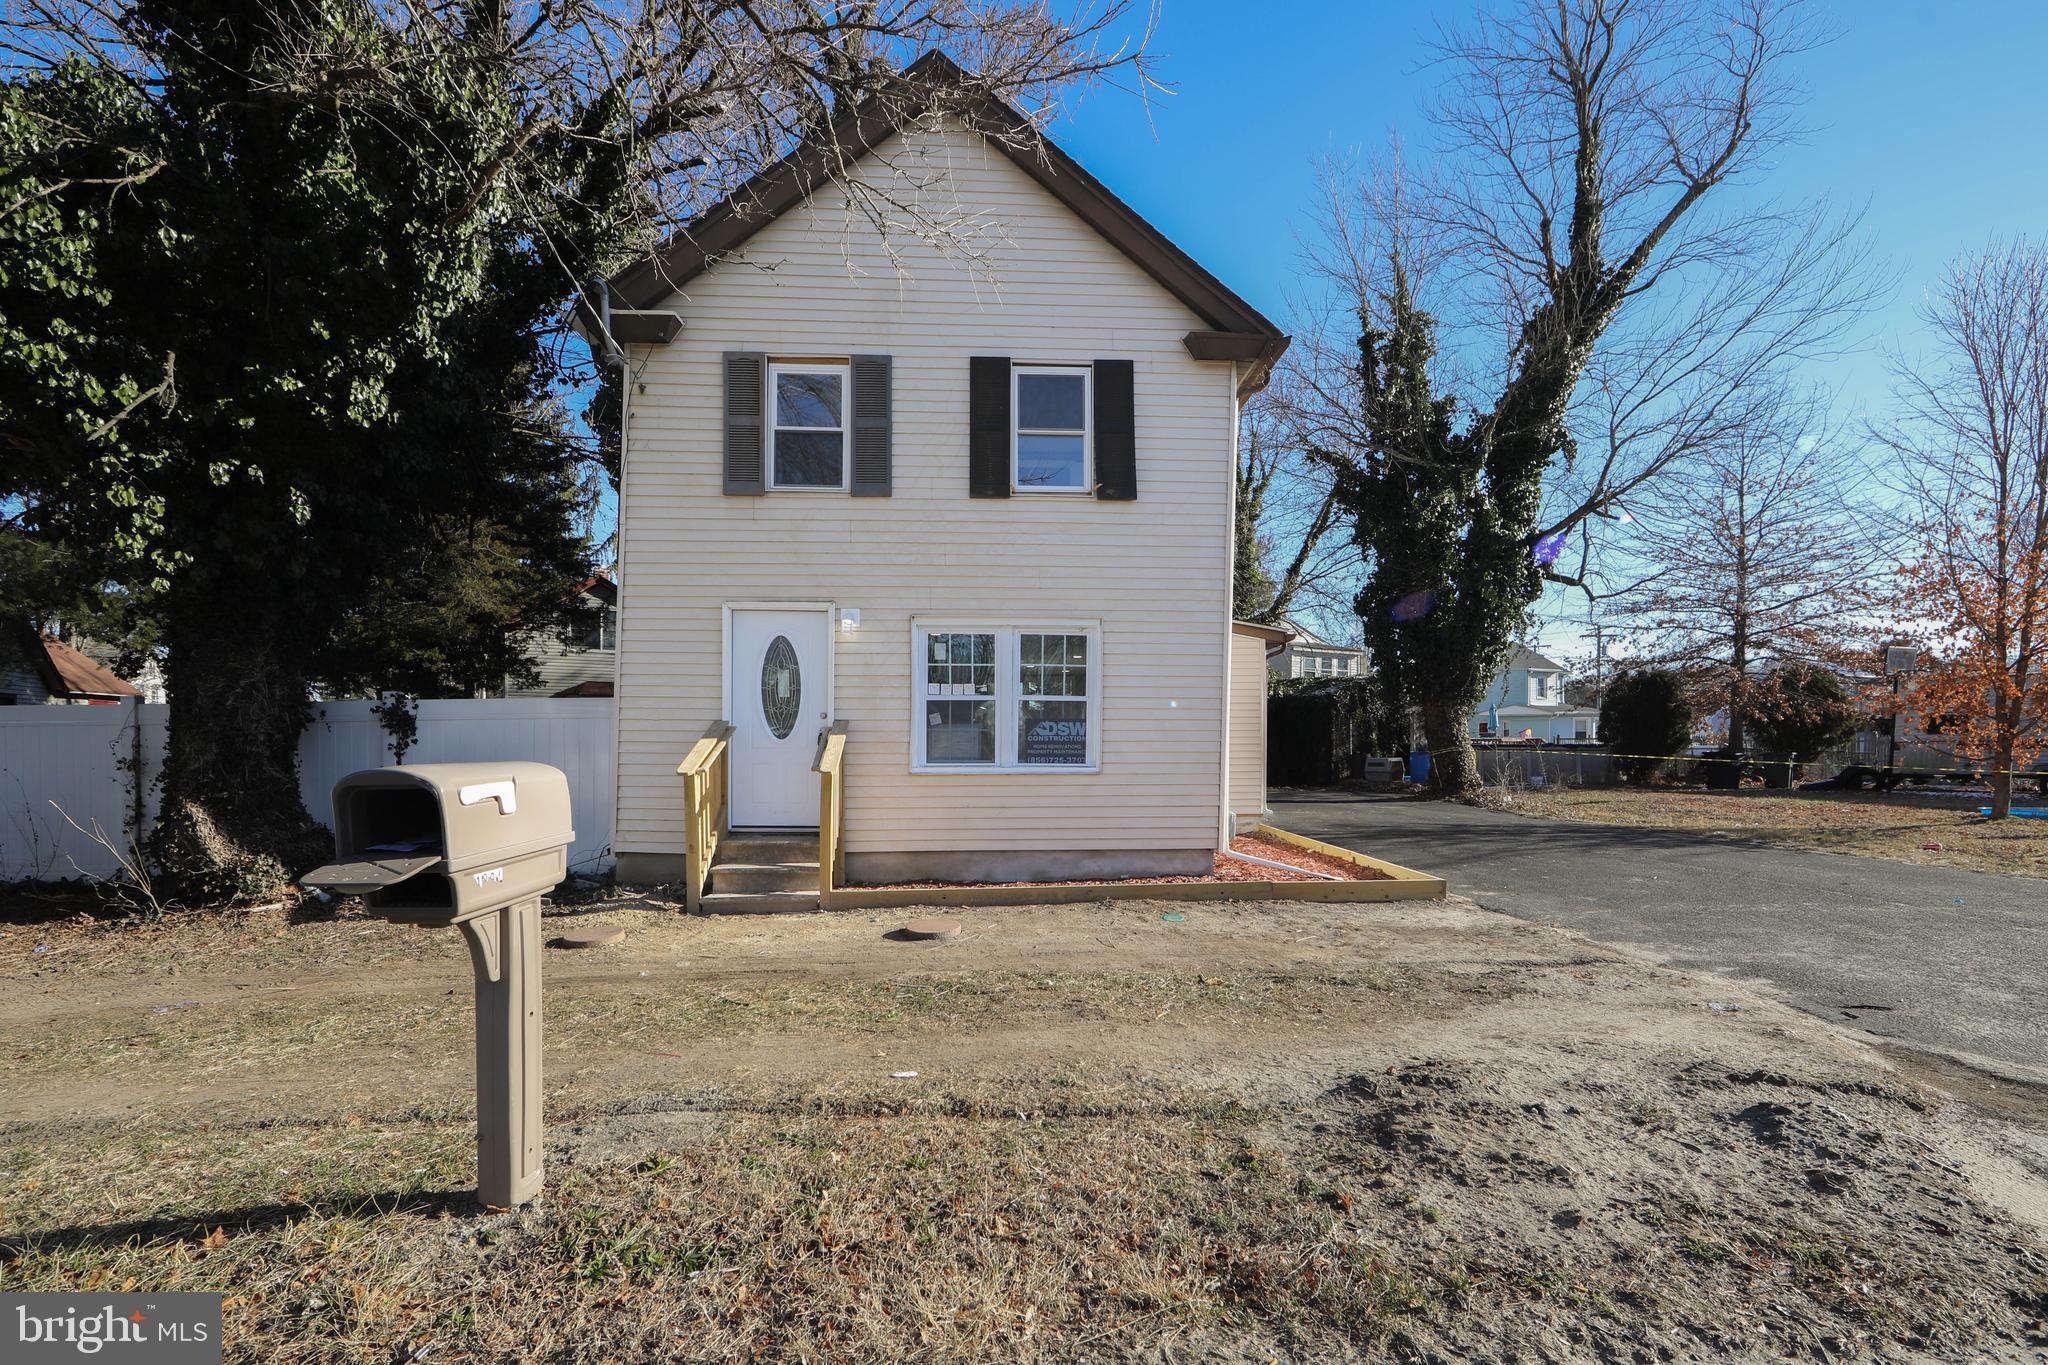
(496,874)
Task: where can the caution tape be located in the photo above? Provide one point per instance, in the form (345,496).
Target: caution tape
(1594,751)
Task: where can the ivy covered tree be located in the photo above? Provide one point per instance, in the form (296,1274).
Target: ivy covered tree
(1546,319)
(282,303)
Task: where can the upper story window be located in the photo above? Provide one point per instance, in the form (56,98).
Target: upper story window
(808,405)
(602,633)
(1050,451)
(1541,681)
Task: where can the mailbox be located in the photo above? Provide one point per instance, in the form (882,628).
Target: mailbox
(437,843)
(473,846)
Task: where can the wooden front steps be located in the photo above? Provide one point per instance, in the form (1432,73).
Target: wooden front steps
(767,872)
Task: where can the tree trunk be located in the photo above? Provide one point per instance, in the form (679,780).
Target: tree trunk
(2001,783)
(232,825)
(1453,765)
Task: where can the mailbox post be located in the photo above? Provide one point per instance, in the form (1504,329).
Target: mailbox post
(471,846)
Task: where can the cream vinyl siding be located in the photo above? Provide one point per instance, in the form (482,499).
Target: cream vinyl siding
(1247,729)
(1153,572)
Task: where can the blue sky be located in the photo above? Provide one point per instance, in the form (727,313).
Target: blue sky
(1932,119)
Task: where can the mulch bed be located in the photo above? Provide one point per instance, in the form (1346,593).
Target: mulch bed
(1227,869)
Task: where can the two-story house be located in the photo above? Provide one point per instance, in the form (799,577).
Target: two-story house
(976,506)
(1527,701)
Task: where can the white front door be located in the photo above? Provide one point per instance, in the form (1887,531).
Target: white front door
(780,691)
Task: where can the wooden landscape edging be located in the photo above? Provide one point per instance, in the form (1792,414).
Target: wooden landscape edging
(1345,855)
(1397,883)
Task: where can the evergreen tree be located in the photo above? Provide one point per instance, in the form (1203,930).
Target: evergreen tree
(1802,711)
(1645,719)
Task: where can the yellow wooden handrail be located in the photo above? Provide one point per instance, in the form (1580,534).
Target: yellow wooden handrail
(706,749)
(830,767)
(703,771)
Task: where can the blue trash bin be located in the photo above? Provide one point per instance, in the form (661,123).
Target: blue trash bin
(1418,766)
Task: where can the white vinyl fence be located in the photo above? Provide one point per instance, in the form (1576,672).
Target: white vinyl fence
(99,765)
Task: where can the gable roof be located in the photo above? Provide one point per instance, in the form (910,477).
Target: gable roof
(1304,638)
(1260,630)
(67,672)
(1525,657)
(1237,331)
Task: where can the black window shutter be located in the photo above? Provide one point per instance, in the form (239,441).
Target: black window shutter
(871,403)
(988,426)
(745,376)
(1116,432)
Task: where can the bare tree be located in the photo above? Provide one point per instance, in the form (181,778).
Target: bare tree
(1972,441)
(1287,558)
(1548,318)
(1762,554)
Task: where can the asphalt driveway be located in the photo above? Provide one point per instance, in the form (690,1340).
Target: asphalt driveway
(1947,961)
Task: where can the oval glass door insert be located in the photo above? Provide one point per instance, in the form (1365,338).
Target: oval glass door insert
(782,687)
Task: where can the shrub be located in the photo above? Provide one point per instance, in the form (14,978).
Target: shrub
(1645,712)
(1802,711)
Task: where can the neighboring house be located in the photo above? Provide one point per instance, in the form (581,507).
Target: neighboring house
(1528,701)
(38,669)
(975,504)
(1309,655)
(585,664)
(148,680)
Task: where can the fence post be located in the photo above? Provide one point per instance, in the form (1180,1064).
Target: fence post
(135,779)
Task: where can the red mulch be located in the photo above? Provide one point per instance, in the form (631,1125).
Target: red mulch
(1228,869)
(1261,847)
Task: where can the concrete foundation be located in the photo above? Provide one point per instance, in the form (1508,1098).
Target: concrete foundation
(1064,865)
(649,869)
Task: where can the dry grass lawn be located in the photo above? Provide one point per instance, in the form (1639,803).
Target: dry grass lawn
(1896,826)
(1258,1132)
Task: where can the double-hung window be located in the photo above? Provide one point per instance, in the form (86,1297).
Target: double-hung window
(1050,449)
(807,445)
(1008,698)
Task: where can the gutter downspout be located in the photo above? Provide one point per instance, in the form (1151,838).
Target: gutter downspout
(1224,825)
(615,354)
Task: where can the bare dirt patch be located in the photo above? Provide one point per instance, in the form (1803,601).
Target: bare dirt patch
(1264,1131)
(1891,825)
